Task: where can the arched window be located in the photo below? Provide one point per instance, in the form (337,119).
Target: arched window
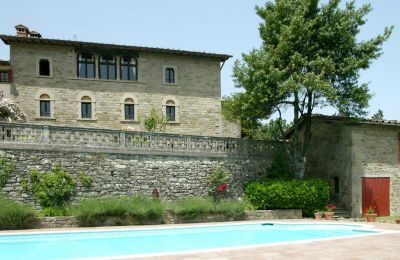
(45,108)
(86,106)
(171,109)
(129,105)
(128,68)
(44,99)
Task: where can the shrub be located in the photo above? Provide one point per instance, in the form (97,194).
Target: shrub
(218,183)
(54,211)
(190,208)
(51,189)
(14,215)
(92,212)
(307,194)
(85,180)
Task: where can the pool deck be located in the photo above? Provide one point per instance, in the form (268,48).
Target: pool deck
(380,246)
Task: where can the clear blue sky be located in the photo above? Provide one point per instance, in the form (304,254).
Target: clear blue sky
(221,26)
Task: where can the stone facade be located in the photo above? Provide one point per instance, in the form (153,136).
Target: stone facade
(196,91)
(347,150)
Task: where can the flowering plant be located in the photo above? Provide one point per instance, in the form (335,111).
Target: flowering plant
(330,207)
(218,183)
(371,210)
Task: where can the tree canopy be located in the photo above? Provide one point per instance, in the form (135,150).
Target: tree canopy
(310,57)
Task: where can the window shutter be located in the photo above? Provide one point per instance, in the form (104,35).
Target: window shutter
(10,76)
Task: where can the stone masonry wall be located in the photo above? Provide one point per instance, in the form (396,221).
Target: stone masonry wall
(125,174)
(330,156)
(375,154)
(197,90)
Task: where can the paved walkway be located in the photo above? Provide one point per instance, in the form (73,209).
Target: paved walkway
(385,246)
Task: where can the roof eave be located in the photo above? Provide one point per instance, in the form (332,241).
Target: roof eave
(7,39)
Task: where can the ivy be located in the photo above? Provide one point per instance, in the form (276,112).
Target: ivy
(6,168)
(85,180)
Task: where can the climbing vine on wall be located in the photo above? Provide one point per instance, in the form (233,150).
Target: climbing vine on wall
(6,168)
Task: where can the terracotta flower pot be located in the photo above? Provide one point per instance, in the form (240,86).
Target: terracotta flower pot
(318,215)
(371,217)
(329,215)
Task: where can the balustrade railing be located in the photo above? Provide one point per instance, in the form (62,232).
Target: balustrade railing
(132,141)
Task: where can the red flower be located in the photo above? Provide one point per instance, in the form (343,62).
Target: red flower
(222,187)
(330,206)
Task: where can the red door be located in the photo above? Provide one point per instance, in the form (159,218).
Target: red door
(376,192)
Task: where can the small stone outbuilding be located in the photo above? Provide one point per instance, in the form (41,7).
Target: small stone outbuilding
(361,160)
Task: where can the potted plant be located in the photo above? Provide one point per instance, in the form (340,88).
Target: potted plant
(318,214)
(371,214)
(329,211)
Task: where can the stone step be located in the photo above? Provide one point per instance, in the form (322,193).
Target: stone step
(341,213)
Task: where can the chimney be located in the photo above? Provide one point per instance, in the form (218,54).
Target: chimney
(34,34)
(22,30)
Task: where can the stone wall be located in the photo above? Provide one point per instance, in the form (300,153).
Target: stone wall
(375,154)
(177,166)
(351,150)
(330,157)
(196,92)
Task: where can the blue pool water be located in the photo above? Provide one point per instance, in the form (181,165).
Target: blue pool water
(45,246)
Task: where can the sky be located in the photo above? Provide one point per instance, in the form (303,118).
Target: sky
(218,26)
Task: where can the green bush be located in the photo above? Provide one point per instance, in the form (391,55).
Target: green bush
(14,215)
(6,168)
(307,194)
(51,189)
(190,208)
(54,211)
(92,212)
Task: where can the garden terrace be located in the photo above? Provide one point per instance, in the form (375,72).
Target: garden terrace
(47,137)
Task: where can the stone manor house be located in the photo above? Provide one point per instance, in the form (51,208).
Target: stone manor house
(84,84)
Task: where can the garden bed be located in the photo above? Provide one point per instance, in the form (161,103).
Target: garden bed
(171,218)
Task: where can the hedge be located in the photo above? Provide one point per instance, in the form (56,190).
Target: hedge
(307,194)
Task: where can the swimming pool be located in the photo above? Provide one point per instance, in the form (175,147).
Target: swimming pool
(92,244)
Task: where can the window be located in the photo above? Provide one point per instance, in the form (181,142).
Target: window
(129,104)
(3,76)
(44,99)
(128,68)
(45,110)
(170,113)
(169,75)
(86,66)
(107,67)
(86,107)
(171,109)
(129,108)
(44,67)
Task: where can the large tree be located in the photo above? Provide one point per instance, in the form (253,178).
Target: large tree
(310,57)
